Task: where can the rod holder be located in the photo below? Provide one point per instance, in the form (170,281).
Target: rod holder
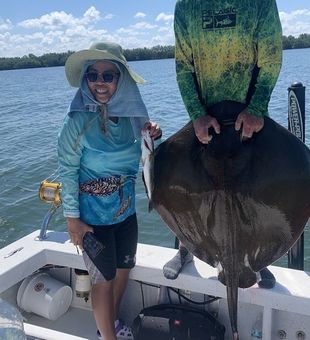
(46,221)
(296,124)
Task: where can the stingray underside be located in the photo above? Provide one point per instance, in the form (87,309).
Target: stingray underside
(237,205)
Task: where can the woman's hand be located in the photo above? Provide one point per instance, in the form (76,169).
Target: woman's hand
(154,128)
(77,230)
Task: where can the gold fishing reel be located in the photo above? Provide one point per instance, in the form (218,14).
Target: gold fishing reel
(49,192)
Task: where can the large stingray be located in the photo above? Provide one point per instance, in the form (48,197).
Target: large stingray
(237,205)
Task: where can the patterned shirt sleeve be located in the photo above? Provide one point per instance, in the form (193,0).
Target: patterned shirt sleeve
(269,50)
(69,155)
(186,75)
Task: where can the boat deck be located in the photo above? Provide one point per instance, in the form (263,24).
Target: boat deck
(285,307)
(76,324)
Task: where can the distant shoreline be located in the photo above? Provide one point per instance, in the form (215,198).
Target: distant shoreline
(136,54)
(59,59)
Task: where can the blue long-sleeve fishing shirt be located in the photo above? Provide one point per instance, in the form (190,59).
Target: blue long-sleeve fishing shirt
(97,170)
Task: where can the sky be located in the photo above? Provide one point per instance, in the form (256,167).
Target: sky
(45,26)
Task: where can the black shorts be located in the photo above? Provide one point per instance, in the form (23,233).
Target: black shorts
(120,245)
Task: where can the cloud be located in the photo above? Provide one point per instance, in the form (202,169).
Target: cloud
(295,22)
(109,16)
(162,40)
(143,26)
(146,34)
(140,28)
(139,15)
(165,34)
(49,21)
(55,20)
(164,17)
(165,29)
(59,31)
(5,25)
(58,41)
(90,16)
(128,32)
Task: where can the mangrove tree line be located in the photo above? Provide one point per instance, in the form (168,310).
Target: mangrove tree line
(156,52)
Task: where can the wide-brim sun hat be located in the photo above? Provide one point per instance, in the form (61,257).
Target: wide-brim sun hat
(97,51)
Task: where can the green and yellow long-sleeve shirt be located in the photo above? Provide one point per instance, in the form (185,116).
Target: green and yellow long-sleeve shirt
(227,50)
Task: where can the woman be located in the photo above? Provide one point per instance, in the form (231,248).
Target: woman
(99,153)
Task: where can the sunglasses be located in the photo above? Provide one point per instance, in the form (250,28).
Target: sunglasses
(106,77)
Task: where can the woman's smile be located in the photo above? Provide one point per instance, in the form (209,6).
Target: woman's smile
(102,79)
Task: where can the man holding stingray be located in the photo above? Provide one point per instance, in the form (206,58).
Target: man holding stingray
(226,51)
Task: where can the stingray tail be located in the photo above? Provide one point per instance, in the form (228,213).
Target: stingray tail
(232,272)
(232,282)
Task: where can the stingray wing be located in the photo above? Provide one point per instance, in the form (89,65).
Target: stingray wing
(279,192)
(183,193)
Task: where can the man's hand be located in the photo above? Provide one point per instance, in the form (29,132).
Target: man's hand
(77,230)
(249,123)
(202,125)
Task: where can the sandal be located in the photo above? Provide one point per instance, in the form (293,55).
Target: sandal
(99,335)
(123,332)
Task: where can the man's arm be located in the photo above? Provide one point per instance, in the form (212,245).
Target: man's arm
(185,70)
(186,75)
(269,50)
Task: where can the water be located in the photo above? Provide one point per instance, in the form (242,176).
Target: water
(33,103)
